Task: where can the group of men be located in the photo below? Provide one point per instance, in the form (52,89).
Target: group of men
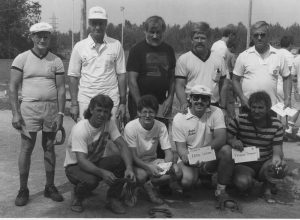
(98,88)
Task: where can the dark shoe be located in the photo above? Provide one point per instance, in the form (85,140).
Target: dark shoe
(51,192)
(22,197)
(115,206)
(77,205)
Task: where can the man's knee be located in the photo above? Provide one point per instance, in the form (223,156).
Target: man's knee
(225,153)
(187,181)
(243,182)
(141,175)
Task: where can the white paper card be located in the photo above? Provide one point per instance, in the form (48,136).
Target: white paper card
(248,154)
(279,109)
(202,154)
(165,166)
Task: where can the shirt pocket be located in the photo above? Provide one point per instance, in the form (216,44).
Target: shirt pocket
(274,71)
(217,75)
(107,61)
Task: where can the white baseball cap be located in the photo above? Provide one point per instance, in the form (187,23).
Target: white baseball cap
(39,27)
(201,90)
(97,13)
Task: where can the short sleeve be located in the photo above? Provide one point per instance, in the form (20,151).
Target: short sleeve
(113,130)
(284,68)
(164,137)
(233,127)
(130,135)
(134,60)
(239,68)
(218,119)
(120,60)
(19,62)
(180,69)
(75,63)
(177,131)
(59,66)
(79,139)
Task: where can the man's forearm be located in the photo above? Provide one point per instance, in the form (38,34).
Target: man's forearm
(14,99)
(287,87)
(122,79)
(73,86)
(180,93)
(61,99)
(134,91)
(171,90)
(238,88)
(277,151)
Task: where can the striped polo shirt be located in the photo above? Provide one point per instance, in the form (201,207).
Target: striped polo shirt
(263,138)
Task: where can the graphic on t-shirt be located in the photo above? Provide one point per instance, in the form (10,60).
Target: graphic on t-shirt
(157,64)
(96,148)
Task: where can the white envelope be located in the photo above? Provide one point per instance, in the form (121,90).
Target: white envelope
(202,154)
(165,166)
(279,109)
(247,155)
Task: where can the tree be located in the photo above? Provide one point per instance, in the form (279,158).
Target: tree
(16,17)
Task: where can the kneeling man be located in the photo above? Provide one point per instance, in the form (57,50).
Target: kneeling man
(257,128)
(143,136)
(203,126)
(85,165)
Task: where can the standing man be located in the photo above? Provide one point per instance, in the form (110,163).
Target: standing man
(200,67)
(41,74)
(258,68)
(221,46)
(150,67)
(97,65)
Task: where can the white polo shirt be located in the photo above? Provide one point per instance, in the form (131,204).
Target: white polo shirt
(146,141)
(197,132)
(196,71)
(260,74)
(97,66)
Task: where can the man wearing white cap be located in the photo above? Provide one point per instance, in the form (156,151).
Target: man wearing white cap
(97,65)
(40,74)
(203,126)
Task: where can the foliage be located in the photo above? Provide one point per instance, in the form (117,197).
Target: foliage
(16,16)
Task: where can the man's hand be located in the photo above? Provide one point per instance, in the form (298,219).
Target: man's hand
(108,177)
(74,112)
(167,107)
(121,112)
(129,174)
(17,121)
(154,170)
(276,160)
(184,158)
(58,122)
(238,145)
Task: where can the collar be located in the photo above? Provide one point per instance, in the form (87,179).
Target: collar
(92,43)
(203,60)
(252,50)
(42,57)
(189,115)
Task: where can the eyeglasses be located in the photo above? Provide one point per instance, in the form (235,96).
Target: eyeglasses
(196,98)
(262,35)
(145,114)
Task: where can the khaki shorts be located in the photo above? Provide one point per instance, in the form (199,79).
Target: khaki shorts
(39,115)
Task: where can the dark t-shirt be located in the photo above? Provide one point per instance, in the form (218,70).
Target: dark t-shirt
(155,66)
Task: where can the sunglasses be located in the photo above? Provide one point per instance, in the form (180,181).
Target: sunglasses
(261,35)
(196,98)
